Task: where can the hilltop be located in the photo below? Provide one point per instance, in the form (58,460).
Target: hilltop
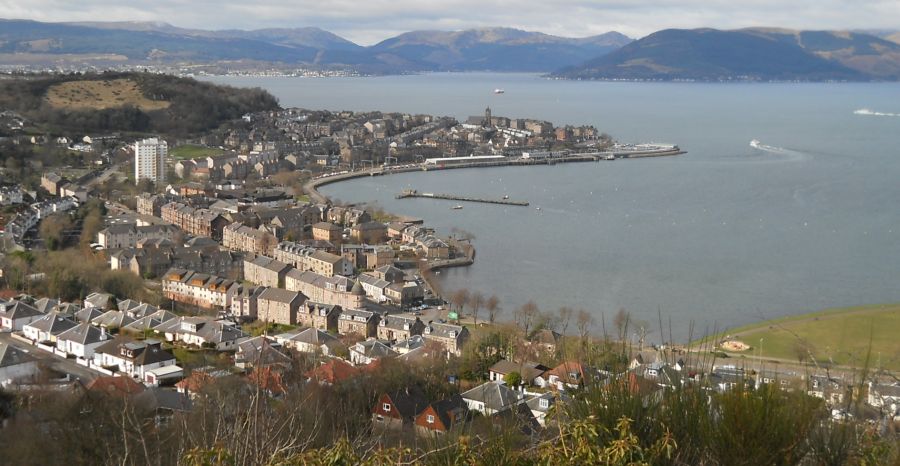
(747,54)
(104,43)
(131,102)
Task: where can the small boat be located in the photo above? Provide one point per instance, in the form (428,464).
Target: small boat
(505,197)
(754,143)
(499,91)
(457,207)
(537,208)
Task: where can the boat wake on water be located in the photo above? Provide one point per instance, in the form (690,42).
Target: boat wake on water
(788,154)
(867,112)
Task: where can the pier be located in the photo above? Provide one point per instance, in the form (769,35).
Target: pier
(451,197)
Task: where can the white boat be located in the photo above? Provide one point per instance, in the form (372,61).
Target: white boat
(755,143)
(457,207)
(499,91)
(505,197)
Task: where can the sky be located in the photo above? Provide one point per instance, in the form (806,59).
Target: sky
(367,22)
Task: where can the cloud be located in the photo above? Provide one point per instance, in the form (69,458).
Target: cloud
(370,21)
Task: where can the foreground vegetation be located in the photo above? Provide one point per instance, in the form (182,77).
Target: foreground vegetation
(235,421)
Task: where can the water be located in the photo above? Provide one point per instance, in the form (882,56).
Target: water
(725,235)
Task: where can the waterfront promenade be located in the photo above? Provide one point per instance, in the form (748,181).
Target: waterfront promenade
(311,187)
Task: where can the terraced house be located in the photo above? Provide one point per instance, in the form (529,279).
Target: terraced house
(266,271)
(399,327)
(253,240)
(279,306)
(128,236)
(337,290)
(196,222)
(308,259)
(199,289)
(358,321)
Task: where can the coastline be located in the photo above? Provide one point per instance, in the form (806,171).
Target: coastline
(311,188)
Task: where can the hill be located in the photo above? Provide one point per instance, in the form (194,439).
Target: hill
(500,49)
(130,102)
(751,54)
(160,43)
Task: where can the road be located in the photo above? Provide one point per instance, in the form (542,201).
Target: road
(57,363)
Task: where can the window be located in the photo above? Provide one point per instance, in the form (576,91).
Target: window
(544,403)
(429,419)
(386,406)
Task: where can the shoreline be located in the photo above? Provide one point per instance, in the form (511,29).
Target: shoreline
(311,188)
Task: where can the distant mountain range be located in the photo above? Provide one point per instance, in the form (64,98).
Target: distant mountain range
(747,54)
(671,54)
(498,49)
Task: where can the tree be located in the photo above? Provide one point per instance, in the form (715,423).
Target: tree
(584,322)
(91,225)
(565,316)
(493,307)
(459,298)
(621,321)
(52,230)
(513,379)
(268,243)
(476,300)
(525,316)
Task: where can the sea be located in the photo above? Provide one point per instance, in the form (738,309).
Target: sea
(806,217)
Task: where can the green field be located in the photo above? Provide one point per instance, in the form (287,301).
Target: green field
(189,151)
(843,336)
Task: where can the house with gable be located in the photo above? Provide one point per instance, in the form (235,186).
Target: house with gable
(442,416)
(398,409)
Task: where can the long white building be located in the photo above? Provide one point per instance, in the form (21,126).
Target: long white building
(150,160)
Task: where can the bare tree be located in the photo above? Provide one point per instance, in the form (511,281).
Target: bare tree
(459,298)
(565,316)
(584,322)
(52,230)
(476,300)
(525,316)
(267,243)
(493,307)
(621,321)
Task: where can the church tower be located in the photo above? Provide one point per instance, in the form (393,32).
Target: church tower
(487,118)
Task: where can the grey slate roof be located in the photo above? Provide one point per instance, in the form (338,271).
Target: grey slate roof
(83,333)
(494,395)
(12,356)
(53,324)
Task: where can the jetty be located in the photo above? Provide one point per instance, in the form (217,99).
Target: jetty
(452,197)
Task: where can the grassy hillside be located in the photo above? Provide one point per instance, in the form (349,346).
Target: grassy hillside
(843,336)
(130,102)
(100,95)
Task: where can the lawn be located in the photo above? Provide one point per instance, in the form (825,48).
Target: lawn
(189,151)
(843,336)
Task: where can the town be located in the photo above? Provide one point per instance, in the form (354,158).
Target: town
(248,276)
